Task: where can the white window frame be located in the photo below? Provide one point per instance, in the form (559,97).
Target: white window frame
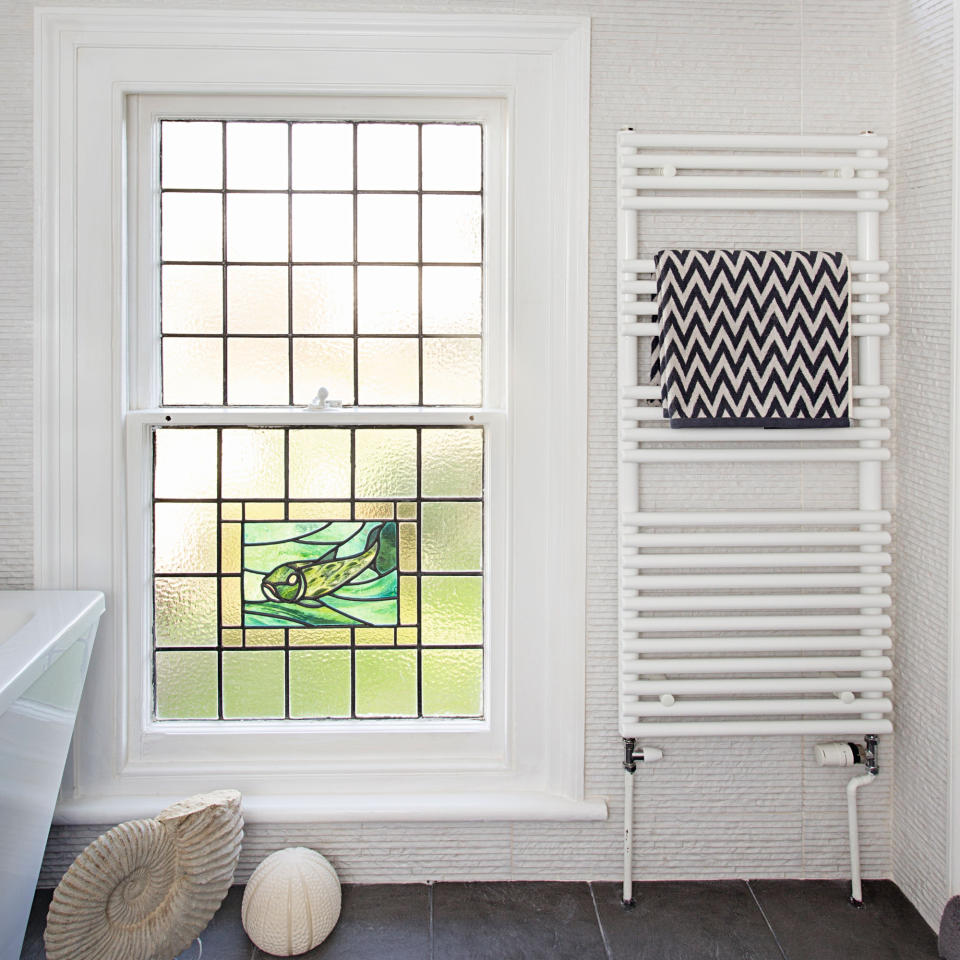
(526,760)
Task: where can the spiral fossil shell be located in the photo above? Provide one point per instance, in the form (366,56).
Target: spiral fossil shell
(291,902)
(146,888)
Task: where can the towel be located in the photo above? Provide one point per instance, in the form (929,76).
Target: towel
(753,338)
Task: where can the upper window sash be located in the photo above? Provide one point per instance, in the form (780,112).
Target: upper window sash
(145,115)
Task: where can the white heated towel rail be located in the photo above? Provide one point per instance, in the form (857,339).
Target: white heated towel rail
(751,622)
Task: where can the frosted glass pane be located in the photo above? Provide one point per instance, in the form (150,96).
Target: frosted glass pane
(451,371)
(191,299)
(452,610)
(192,371)
(452,299)
(256,156)
(187,685)
(319,683)
(452,462)
(191,155)
(323,156)
(271,637)
(185,611)
(252,464)
(386,683)
(258,370)
(451,536)
(320,463)
(257,227)
(326,362)
(387,228)
(407,548)
(451,156)
(230,547)
(257,300)
(253,684)
(185,537)
(408,600)
(451,229)
(185,463)
(191,226)
(326,636)
(387,300)
(323,299)
(452,683)
(387,156)
(231,613)
(388,371)
(323,227)
(386,463)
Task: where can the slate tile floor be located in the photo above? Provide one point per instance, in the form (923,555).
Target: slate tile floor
(718,920)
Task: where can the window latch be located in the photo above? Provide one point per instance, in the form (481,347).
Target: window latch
(321,401)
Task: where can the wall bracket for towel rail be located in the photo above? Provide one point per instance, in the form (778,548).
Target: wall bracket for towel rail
(748,622)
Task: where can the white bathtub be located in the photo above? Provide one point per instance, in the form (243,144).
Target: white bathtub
(45,643)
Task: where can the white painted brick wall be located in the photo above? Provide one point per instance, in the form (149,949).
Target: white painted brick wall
(713,809)
(924,126)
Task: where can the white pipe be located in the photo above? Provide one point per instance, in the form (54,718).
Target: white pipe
(815,184)
(632,265)
(856,886)
(672,645)
(753,728)
(650,308)
(749,518)
(860,621)
(754,141)
(736,538)
(831,204)
(777,665)
(722,161)
(653,329)
(757,601)
(716,686)
(721,581)
(756,455)
(654,414)
(742,707)
(749,434)
(627,836)
(678,561)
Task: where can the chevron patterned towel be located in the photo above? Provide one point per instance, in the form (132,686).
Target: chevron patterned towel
(753,338)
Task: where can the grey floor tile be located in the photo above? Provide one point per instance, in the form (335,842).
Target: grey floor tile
(680,920)
(812,920)
(33,940)
(383,921)
(515,921)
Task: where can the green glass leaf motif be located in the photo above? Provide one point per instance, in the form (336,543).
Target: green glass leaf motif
(332,574)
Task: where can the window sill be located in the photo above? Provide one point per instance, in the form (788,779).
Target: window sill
(432,807)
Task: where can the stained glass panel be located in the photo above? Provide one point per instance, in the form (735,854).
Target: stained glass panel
(350,253)
(323,568)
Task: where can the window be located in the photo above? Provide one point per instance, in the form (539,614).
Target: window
(318,572)
(453,333)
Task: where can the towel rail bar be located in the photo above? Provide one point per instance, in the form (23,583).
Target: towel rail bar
(757,708)
(860,621)
(655,413)
(756,601)
(632,266)
(721,581)
(754,141)
(835,163)
(823,184)
(685,561)
(753,686)
(841,727)
(675,645)
(753,455)
(822,204)
(856,329)
(749,434)
(749,518)
(650,308)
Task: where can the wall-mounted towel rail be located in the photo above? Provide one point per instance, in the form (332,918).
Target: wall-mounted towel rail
(748,622)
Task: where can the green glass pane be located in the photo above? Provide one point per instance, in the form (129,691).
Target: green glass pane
(386,683)
(452,610)
(386,463)
(452,462)
(319,683)
(452,683)
(319,637)
(451,536)
(185,464)
(185,537)
(252,464)
(374,636)
(408,600)
(320,463)
(186,611)
(186,685)
(253,684)
(269,637)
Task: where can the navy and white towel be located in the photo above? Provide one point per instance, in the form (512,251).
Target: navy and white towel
(753,338)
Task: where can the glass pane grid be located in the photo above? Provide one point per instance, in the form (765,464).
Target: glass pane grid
(300,254)
(318,572)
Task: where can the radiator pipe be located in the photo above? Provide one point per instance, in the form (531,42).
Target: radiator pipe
(870,760)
